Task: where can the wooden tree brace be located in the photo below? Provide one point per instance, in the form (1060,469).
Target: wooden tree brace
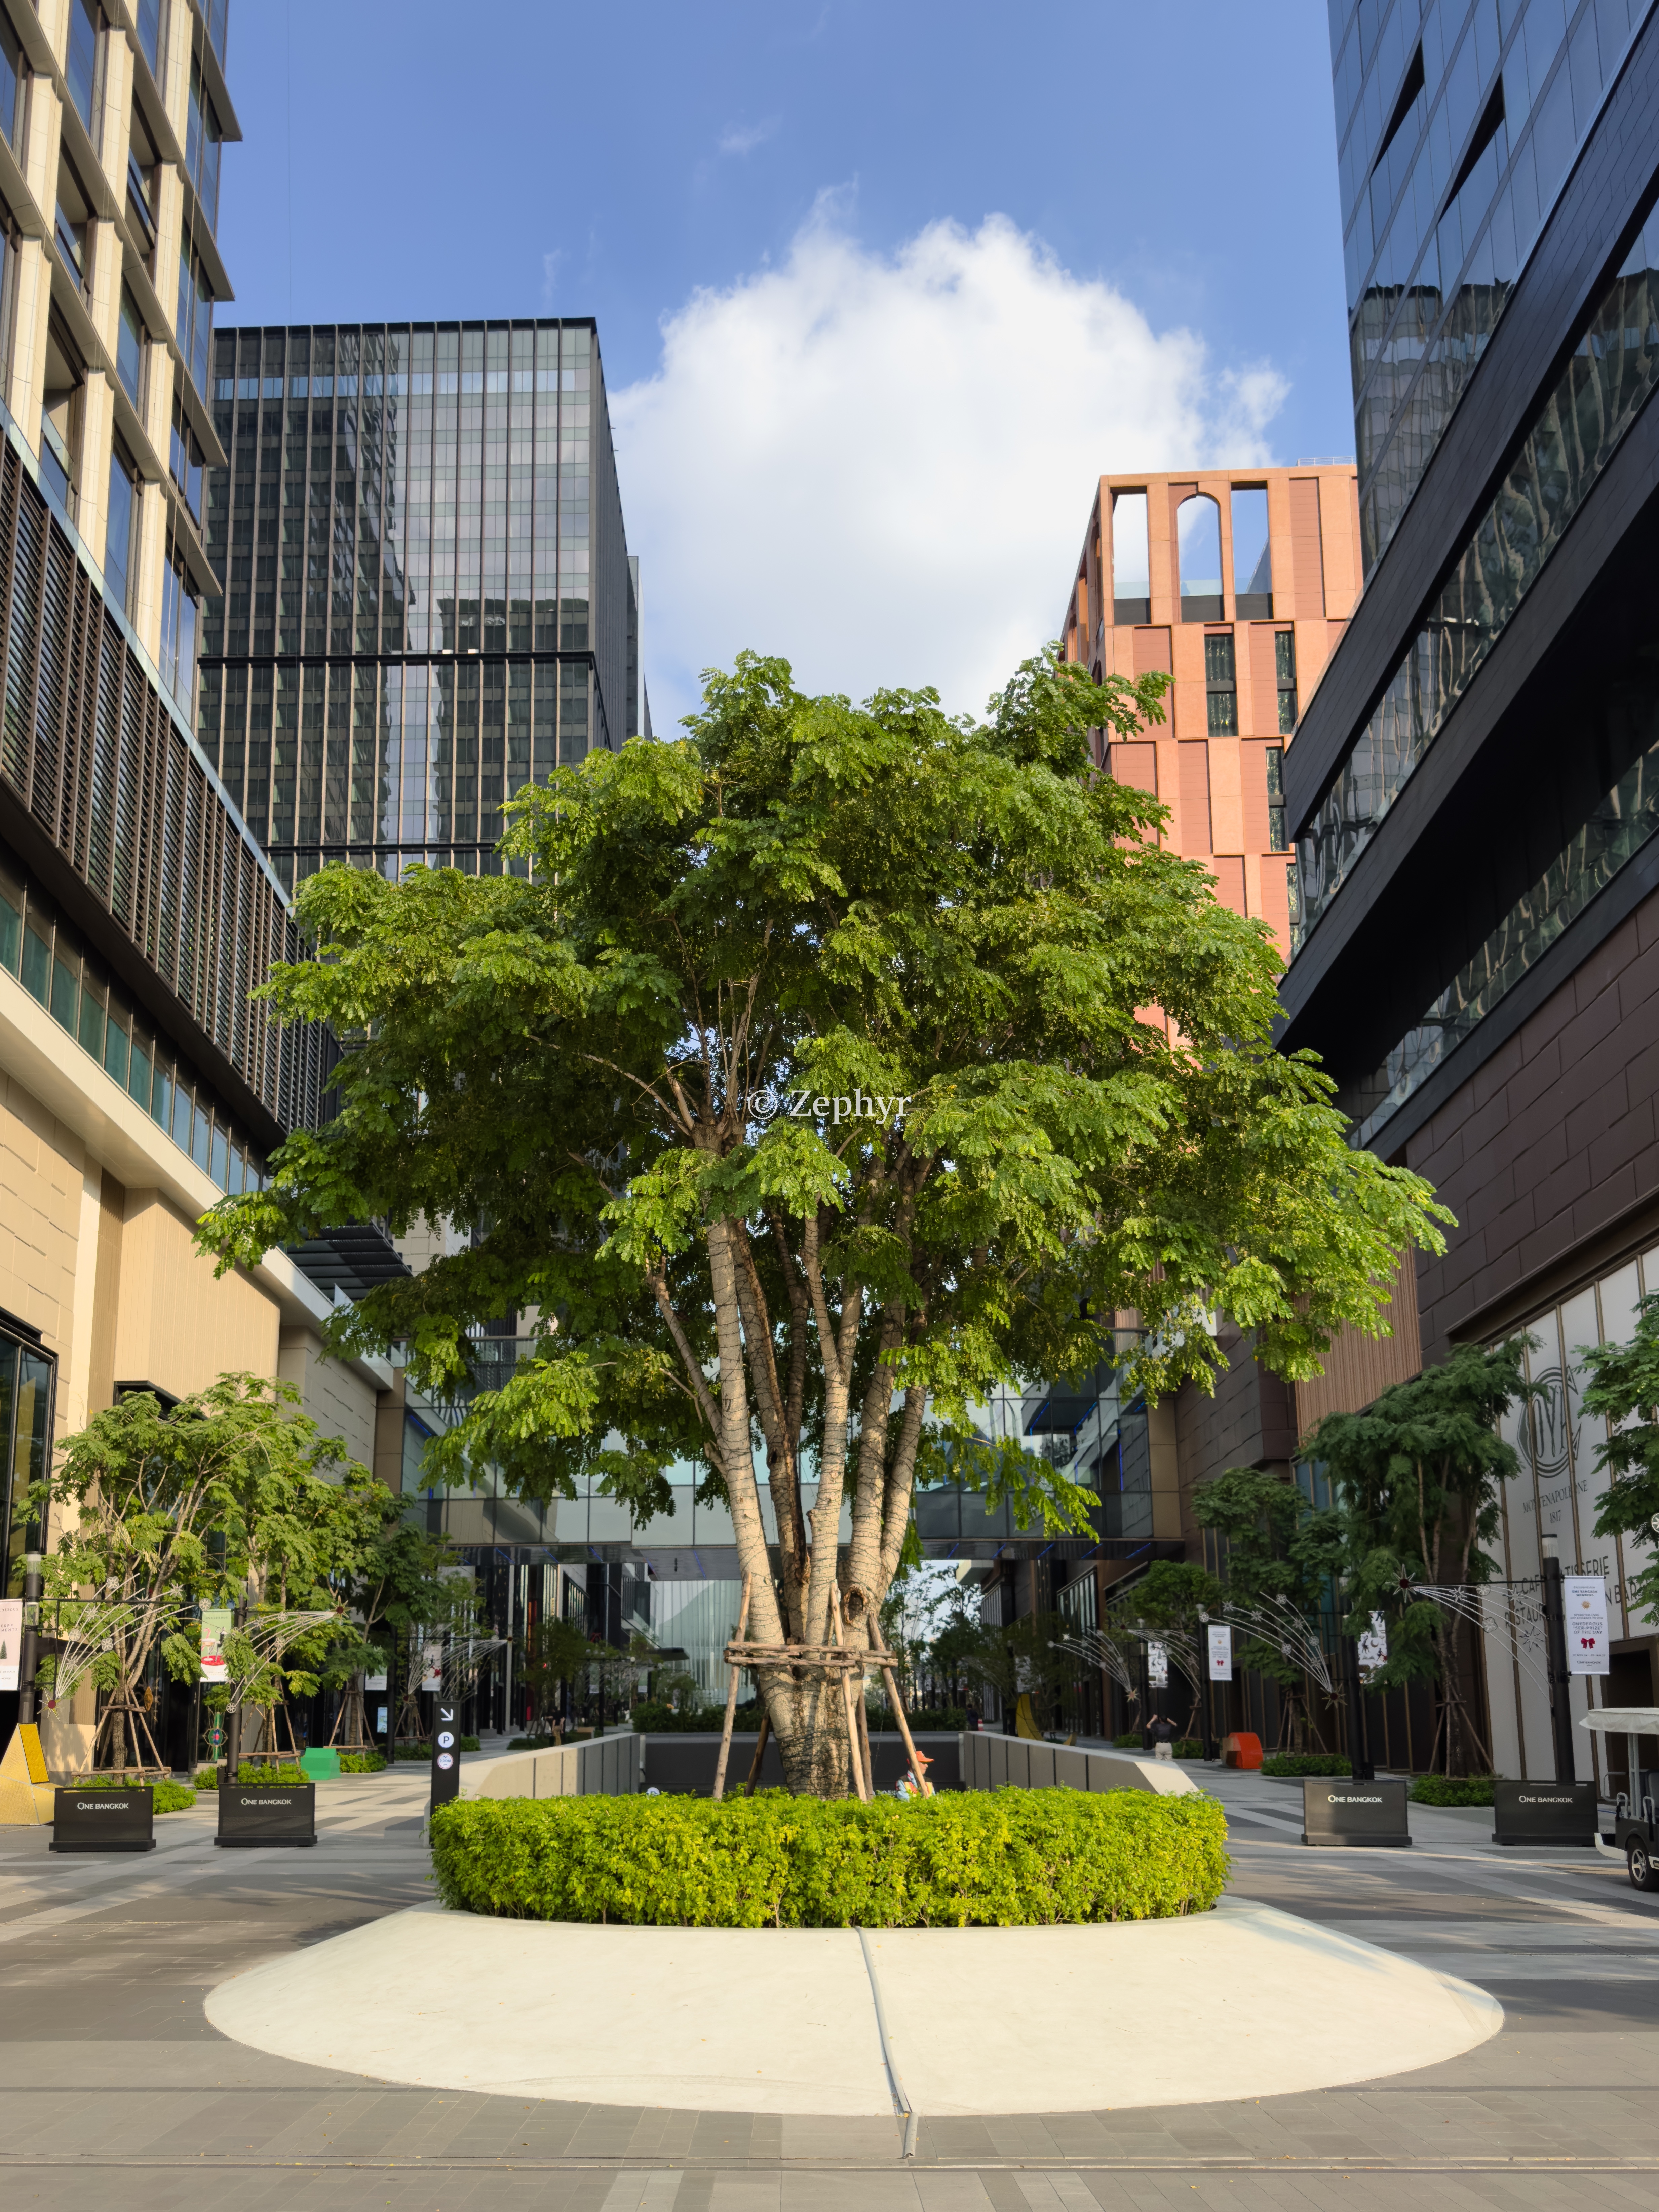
(731,1689)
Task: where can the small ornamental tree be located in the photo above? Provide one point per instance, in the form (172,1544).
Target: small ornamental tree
(554,1653)
(1418,1480)
(1170,1597)
(804,1087)
(228,1494)
(1624,1388)
(1279,1550)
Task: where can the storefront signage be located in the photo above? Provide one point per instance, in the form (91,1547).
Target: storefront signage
(375,1681)
(1221,1652)
(1359,1814)
(11,1639)
(1585,1602)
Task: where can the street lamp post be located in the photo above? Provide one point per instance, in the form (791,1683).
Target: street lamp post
(1206,1725)
(1555,1648)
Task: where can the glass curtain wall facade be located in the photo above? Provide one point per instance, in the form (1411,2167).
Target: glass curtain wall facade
(427,600)
(1458,122)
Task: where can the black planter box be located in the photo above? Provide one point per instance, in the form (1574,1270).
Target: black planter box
(262,1813)
(103,1820)
(1544,1812)
(1363,1814)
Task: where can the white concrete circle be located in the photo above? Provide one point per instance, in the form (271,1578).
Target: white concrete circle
(1243,2002)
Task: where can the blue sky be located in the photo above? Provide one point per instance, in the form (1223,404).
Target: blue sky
(869,436)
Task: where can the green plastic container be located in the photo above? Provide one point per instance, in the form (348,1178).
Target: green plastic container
(321,1766)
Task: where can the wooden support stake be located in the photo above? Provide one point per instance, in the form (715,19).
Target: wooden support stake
(854,1759)
(760,1752)
(731,1697)
(898,1715)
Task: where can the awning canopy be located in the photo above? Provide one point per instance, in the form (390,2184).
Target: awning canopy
(1624,1720)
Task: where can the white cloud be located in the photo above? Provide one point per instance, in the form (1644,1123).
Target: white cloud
(882,467)
(744,138)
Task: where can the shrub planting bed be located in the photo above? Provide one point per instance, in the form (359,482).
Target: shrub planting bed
(1453,1789)
(169,1797)
(1005,1858)
(1286,1766)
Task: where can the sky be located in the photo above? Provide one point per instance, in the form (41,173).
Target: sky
(881,289)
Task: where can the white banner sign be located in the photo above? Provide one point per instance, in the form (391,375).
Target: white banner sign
(1374,1645)
(1157,1666)
(375,1681)
(216,1624)
(1584,1600)
(1221,1652)
(11,1638)
(432,1667)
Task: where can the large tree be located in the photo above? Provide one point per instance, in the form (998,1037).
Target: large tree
(800,1076)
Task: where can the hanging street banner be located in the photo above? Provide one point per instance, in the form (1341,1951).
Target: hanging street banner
(1157,1666)
(216,1623)
(432,1667)
(1585,1602)
(1373,1643)
(11,1639)
(1221,1652)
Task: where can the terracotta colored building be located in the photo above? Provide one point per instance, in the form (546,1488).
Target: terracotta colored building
(1239,583)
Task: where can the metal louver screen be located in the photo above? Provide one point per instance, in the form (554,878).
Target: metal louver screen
(91,751)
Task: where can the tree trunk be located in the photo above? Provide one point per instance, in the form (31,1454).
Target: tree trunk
(809,1720)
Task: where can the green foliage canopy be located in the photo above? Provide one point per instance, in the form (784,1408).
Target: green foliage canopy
(805,1089)
(1624,1388)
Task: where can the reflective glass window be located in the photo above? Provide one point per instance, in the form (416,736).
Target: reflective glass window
(118,539)
(11,80)
(1608,379)
(37,963)
(80,67)
(130,348)
(148,17)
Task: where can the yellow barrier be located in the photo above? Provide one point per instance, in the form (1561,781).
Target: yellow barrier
(26,1794)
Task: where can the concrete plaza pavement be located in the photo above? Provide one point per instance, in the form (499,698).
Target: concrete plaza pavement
(112,2082)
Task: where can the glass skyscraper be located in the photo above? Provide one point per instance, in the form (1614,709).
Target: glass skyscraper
(428,597)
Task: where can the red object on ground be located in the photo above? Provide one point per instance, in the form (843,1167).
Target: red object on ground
(1242,1750)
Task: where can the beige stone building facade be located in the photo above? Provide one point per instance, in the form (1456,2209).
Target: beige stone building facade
(140,1078)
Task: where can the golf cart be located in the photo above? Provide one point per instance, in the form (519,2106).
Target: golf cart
(1635,1836)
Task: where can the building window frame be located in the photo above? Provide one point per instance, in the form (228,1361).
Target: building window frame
(121,527)
(1220,684)
(1284,679)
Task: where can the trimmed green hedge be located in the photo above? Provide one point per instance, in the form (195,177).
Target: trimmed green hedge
(1005,1858)
(1291,1762)
(1453,1789)
(170,1797)
(362,1762)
